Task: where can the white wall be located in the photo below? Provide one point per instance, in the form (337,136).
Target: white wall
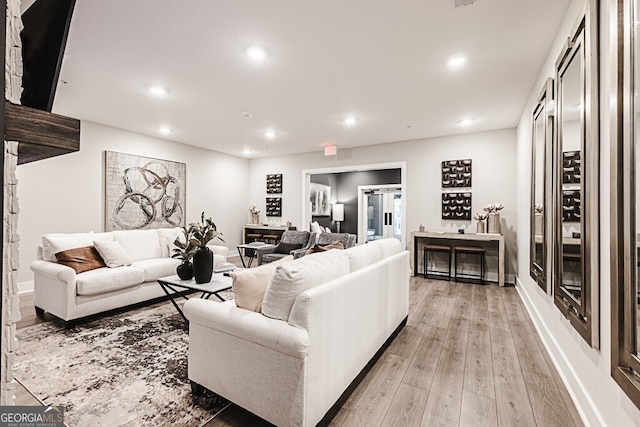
(586,371)
(66,193)
(494,164)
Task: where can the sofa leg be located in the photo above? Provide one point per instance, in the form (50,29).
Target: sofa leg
(196,389)
(69,324)
(40,313)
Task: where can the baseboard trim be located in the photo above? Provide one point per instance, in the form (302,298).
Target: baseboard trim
(575,387)
(333,411)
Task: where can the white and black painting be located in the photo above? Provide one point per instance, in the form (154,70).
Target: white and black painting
(143,192)
(320,198)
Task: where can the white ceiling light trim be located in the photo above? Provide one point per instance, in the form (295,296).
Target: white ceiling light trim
(270,134)
(350,121)
(256,53)
(456,61)
(157,90)
(165,130)
(466,121)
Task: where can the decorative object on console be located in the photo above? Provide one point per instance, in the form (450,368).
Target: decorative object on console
(254,215)
(456,206)
(184,250)
(338,214)
(456,173)
(480,217)
(320,197)
(143,193)
(274,206)
(571,167)
(538,221)
(274,183)
(199,235)
(493,217)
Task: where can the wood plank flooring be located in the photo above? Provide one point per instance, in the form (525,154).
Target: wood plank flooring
(469,356)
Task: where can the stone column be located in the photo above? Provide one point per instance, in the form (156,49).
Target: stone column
(10,301)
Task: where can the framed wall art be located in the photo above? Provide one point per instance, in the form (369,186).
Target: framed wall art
(274,206)
(571,206)
(571,167)
(456,173)
(274,183)
(142,192)
(456,206)
(320,198)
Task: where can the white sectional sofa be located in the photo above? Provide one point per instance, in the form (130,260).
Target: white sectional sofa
(59,290)
(324,318)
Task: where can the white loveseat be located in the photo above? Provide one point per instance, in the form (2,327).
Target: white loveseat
(59,290)
(296,371)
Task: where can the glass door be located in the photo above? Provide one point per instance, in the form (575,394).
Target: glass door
(382,213)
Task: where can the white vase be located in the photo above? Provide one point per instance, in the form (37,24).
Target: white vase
(493,223)
(480,228)
(255,218)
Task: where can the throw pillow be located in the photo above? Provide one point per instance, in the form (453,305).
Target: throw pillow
(80,259)
(58,242)
(112,253)
(250,284)
(285,248)
(318,248)
(315,228)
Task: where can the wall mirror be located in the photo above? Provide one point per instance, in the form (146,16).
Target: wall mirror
(625,197)
(576,283)
(542,134)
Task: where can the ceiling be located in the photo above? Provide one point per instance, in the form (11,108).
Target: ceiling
(383,62)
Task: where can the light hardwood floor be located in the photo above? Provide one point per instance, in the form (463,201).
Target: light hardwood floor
(469,356)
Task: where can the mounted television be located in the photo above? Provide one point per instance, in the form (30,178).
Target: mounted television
(46,26)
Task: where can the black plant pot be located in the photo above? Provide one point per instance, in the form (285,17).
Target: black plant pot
(185,270)
(203,265)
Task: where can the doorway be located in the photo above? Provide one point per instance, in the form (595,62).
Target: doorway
(380,210)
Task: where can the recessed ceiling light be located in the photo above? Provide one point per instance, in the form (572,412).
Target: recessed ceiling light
(246,115)
(256,52)
(165,130)
(456,61)
(157,90)
(465,122)
(350,121)
(247,151)
(270,134)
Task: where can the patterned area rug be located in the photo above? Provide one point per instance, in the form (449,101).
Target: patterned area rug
(127,369)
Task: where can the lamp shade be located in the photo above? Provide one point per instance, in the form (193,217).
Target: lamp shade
(338,212)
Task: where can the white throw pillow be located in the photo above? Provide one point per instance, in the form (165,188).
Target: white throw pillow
(139,244)
(54,243)
(250,284)
(292,278)
(112,253)
(315,228)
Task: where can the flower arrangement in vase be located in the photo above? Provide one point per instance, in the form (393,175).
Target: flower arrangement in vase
(480,217)
(254,215)
(493,217)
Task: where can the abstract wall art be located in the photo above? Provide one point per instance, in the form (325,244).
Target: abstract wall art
(143,192)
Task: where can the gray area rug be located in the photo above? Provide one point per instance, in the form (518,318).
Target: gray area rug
(127,369)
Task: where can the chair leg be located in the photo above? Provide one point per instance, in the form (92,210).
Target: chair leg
(455,266)
(449,278)
(425,259)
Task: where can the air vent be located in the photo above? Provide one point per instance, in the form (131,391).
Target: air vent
(460,3)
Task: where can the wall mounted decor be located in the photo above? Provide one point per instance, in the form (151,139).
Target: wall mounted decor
(320,198)
(456,206)
(456,173)
(576,233)
(571,167)
(143,192)
(274,206)
(274,183)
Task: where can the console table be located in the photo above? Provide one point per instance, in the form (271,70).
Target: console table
(435,235)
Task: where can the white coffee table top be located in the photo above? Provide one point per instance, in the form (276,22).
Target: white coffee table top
(219,282)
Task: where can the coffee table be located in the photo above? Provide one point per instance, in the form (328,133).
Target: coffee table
(219,283)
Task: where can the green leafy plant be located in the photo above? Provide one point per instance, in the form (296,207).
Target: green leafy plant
(196,236)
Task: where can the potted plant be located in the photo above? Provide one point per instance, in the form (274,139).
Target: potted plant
(480,217)
(184,250)
(199,235)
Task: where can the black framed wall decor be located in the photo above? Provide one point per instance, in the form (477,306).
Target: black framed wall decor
(274,183)
(456,206)
(571,167)
(456,173)
(274,206)
(571,205)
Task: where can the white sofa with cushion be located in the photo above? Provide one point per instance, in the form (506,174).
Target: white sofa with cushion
(80,274)
(323,318)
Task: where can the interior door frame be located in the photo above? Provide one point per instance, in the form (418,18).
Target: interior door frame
(306,180)
(362,236)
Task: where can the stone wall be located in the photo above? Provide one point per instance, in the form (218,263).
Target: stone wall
(10,301)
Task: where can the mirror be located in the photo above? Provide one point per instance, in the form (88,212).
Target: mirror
(576,244)
(625,198)
(542,128)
